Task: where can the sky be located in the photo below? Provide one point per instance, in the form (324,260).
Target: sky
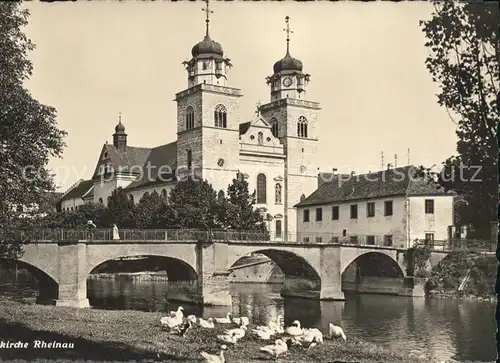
(366,60)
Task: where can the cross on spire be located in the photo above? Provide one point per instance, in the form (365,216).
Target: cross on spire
(257,111)
(120,117)
(207,13)
(288,31)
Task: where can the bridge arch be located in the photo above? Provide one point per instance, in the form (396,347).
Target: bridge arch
(290,263)
(48,287)
(181,256)
(176,269)
(376,264)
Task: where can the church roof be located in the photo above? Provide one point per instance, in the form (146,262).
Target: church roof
(161,156)
(393,182)
(79,190)
(244,127)
(138,160)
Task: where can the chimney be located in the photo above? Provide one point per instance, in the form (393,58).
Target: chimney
(353,173)
(389,166)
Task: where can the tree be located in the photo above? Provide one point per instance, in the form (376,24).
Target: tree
(150,211)
(194,205)
(78,218)
(461,39)
(122,209)
(240,213)
(28,129)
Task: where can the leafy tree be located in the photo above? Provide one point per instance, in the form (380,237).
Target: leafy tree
(194,205)
(122,209)
(150,212)
(28,130)
(78,218)
(240,209)
(461,39)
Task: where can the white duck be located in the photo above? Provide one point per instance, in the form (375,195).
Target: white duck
(237,332)
(227,338)
(312,336)
(277,325)
(278,348)
(173,321)
(295,329)
(241,320)
(192,318)
(263,334)
(213,358)
(336,331)
(208,324)
(226,320)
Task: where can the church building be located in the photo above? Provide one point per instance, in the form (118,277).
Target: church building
(275,150)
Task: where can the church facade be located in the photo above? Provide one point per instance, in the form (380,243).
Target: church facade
(275,151)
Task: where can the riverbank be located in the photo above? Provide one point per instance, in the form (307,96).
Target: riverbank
(126,335)
(464,275)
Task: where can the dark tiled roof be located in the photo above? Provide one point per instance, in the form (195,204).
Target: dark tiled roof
(79,190)
(132,158)
(138,160)
(162,156)
(244,127)
(393,182)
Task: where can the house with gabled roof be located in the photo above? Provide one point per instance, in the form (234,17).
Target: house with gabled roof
(78,194)
(392,207)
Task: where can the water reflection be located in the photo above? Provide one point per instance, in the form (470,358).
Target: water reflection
(440,329)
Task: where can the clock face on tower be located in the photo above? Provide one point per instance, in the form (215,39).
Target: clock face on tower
(287,81)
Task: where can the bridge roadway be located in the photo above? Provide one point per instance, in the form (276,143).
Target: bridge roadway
(198,263)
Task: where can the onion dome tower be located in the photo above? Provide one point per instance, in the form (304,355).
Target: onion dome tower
(288,80)
(207,64)
(120,137)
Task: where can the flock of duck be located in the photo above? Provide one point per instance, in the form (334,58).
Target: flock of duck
(178,324)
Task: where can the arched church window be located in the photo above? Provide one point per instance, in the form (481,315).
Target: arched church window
(220,196)
(189,158)
(260,138)
(100,201)
(261,189)
(189,118)
(131,197)
(164,193)
(277,192)
(145,195)
(220,116)
(274,126)
(302,127)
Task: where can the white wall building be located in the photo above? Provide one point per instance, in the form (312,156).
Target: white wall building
(390,207)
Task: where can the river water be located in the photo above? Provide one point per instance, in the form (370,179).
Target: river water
(439,329)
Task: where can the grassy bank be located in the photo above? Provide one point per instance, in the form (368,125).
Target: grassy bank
(447,276)
(126,335)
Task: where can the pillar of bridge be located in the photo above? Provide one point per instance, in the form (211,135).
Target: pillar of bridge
(213,274)
(331,273)
(72,275)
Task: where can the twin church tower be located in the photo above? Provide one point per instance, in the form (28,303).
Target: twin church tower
(276,151)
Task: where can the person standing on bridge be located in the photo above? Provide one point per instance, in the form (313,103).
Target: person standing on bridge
(91,227)
(116,234)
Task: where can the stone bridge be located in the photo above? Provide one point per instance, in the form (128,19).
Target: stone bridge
(198,272)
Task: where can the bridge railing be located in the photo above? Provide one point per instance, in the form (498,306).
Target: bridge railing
(460,244)
(193,235)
